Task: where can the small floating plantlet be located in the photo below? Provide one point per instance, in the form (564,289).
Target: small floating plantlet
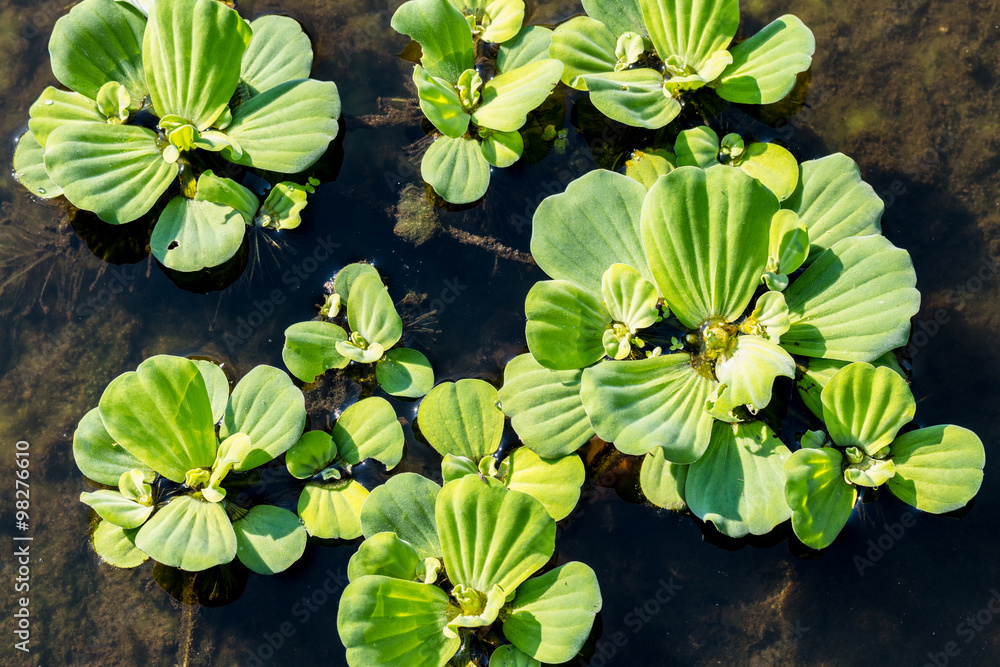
(441,567)
(313,348)
(464,423)
(477,115)
(638,58)
(936,469)
(331,500)
(166,437)
(665,314)
(156,100)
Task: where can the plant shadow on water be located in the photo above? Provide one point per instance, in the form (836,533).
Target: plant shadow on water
(675,590)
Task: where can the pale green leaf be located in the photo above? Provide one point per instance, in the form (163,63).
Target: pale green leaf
(55,108)
(116,508)
(404,372)
(765,66)
(371,313)
(116,171)
(649,403)
(706,237)
(386,555)
(96,454)
(491,536)
(630,298)
(502,149)
(552,615)
(662,482)
(531,44)
(269,408)
(192,53)
(788,243)
(553,482)
(278,52)
(456,169)
(405,505)
(748,371)
(369,429)
(286,128)
(816,372)
(189,534)
(693,30)
(345,278)
(565,325)
(545,407)
(773,166)
(97,42)
(620,16)
(634,97)
(820,499)
(578,234)
(395,623)
(508,98)
(938,469)
(739,484)
(854,302)
(443,33)
(311,453)
(462,418)
(332,511)
(509,655)
(269,539)
(834,203)
(648,165)
(771,312)
(29,168)
(311,349)
(865,407)
(697,147)
(116,546)
(162,415)
(217,385)
(584,46)
(440,103)
(227,192)
(192,235)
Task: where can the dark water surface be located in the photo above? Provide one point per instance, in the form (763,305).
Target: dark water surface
(909,89)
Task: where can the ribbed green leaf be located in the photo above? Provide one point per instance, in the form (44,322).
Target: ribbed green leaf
(189,534)
(116,546)
(530,45)
(706,237)
(116,171)
(634,97)
(371,313)
(333,511)
(691,29)
(565,325)
(311,349)
(192,235)
(278,52)
(386,555)
(269,408)
(96,454)
(865,407)
(405,505)
(553,482)
(29,168)
(456,169)
(269,539)
(764,67)
(649,403)
(820,499)
(404,372)
(584,46)
(369,429)
(508,98)
(443,33)
(938,469)
(440,103)
(55,108)
(662,482)
(462,418)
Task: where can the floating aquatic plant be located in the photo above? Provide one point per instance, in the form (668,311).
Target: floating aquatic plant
(443,565)
(639,57)
(167,436)
(152,97)
(657,317)
(478,115)
(330,503)
(313,348)
(464,423)
(936,469)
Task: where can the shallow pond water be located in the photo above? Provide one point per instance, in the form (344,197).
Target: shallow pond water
(908,88)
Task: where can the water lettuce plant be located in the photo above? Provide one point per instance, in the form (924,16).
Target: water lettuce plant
(312,348)
(657,312)
(166,437)
(639,57)
(936,469)
(331,500)
(441,565)
(477,115)
(154,102)
(464,422)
